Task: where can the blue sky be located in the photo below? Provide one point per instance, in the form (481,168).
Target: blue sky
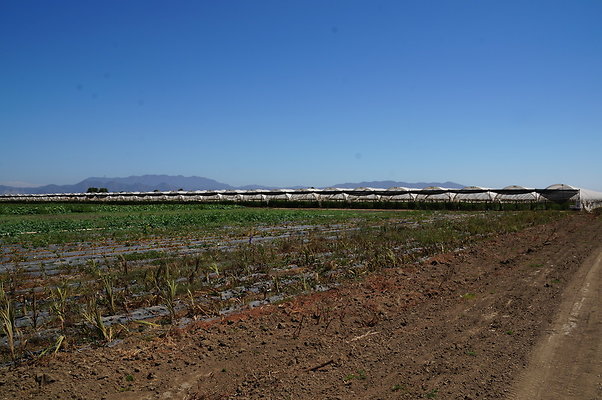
(313,93)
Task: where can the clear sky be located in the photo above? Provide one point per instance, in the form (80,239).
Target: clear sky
(313,93)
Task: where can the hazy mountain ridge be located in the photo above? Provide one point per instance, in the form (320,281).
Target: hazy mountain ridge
(148,183)
(144,183)
(390,184)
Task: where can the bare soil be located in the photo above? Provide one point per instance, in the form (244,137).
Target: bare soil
(487,322)
(567,362)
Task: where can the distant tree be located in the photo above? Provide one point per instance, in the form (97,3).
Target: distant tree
(103,190)
(92,190)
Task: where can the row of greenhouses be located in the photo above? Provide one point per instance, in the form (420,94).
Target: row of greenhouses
(559,193)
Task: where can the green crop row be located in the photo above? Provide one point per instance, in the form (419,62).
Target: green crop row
(95,208)
(59,223)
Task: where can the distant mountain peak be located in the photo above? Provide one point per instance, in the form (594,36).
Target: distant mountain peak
(148,183)
(390,184)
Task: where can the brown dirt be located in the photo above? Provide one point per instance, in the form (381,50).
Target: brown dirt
(567,362)
(465,325)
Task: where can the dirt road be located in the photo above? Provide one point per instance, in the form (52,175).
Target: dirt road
(567,362)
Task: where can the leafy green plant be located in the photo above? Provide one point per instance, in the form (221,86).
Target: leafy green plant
(56,346)
(361,374)
(276,284)
(169,295)
(93,317)
(59,304)
(398,387)
(92,268)
(214,267)
(109,292)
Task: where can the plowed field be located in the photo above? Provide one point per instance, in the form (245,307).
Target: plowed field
(492,320)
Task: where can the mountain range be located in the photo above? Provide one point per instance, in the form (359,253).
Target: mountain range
(148,183)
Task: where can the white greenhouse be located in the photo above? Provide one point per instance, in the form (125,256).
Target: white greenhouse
(566,195)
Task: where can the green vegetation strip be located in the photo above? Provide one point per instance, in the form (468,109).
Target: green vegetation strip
(42,224)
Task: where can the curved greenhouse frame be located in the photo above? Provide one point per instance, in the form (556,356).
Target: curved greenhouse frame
(573,197)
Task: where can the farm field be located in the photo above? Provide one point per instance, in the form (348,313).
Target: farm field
(196,301)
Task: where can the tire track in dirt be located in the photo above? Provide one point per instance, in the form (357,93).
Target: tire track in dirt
(567,361)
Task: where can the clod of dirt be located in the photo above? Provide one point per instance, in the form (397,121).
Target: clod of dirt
(44,379)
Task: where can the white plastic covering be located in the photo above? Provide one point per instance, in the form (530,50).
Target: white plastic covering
(409,196)
(559,193)
(474,194)
(278,195)
(589,199)
(434,193)
(516,194)
(334,194)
